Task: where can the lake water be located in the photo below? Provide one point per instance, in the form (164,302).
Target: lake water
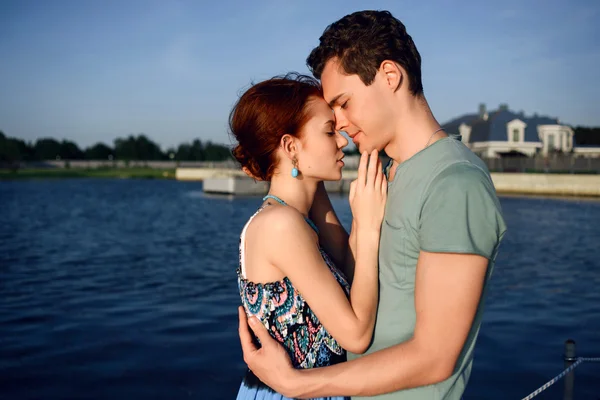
(115,289)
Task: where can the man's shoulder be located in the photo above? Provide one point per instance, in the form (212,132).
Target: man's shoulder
(451,158)
(455,152)
(456,161)
(463,173)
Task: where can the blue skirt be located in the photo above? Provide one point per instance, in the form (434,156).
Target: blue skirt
(253,389)
(264,393)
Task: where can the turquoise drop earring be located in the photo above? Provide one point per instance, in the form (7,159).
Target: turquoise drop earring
(295,169)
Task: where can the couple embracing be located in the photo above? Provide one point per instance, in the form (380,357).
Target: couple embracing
(394,307)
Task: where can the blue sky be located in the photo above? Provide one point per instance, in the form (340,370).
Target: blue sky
(91,71)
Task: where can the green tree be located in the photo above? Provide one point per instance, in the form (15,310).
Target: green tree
(587,136)
(9,149)
(216,152)
(99,151)
(14,150)
(125,148)
(137,148)
(184,152)
(171,152)
(47,149)
(197,152)
(70,151)
(26,150)
(191,152)
(147,149)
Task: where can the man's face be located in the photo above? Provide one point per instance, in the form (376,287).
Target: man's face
(363,112)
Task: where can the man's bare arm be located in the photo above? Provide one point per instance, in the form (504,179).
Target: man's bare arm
(447,294)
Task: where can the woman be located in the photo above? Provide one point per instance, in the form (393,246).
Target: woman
(296,260)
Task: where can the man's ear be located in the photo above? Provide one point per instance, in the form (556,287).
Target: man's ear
(392,73)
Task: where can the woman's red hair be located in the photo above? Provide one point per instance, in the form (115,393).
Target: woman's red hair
(266,112)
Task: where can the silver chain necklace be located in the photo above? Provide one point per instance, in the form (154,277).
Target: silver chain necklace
(431,137)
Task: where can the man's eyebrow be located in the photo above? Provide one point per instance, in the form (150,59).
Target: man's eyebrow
(335,99)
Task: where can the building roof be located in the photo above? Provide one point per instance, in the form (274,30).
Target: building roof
(494,127)
(452,126)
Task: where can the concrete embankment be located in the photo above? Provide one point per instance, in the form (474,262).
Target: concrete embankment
(528,184)
(505,183)
(547,184)
(200,174)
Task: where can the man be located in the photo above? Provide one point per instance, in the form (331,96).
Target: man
(440,236)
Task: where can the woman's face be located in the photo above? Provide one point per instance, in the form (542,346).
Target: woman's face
(320,156)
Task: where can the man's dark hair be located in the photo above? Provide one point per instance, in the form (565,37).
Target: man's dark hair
(361,41)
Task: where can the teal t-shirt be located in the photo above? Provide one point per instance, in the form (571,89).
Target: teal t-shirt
(441,200)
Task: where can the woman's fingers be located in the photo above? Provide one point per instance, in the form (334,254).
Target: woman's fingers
(372,169)
(362,169)
(352,191)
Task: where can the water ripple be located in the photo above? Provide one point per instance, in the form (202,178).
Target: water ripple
(126,289)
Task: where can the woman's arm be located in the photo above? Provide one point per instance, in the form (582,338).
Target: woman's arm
(333,236)
(350,320)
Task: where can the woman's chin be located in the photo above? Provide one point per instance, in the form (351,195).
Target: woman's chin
(337,176)
(334,175)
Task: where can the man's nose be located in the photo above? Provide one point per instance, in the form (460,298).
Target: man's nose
(340,121)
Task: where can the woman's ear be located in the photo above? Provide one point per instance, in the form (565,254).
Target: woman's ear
(289,145)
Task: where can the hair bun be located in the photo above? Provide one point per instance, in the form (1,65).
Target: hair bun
(247,161)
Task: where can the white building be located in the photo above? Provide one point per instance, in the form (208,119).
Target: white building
(505,133)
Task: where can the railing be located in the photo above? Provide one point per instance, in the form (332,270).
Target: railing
(566,164)
(571,362)
(555,163)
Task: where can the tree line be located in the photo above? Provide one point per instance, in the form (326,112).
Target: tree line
(586,136)
(138,147)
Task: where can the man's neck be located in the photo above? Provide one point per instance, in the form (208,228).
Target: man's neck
(415,130)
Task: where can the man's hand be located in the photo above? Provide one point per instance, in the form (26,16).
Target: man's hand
(271,363)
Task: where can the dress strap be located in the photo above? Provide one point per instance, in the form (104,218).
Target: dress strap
(277,199)
(243,244)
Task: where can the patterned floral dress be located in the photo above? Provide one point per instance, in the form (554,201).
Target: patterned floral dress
(290,321)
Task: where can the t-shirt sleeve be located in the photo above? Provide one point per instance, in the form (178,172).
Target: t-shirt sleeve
(461,213)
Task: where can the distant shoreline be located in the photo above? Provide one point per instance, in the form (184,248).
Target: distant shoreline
(507,184)
(65,173)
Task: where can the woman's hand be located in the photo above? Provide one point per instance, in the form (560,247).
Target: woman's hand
(368,193)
